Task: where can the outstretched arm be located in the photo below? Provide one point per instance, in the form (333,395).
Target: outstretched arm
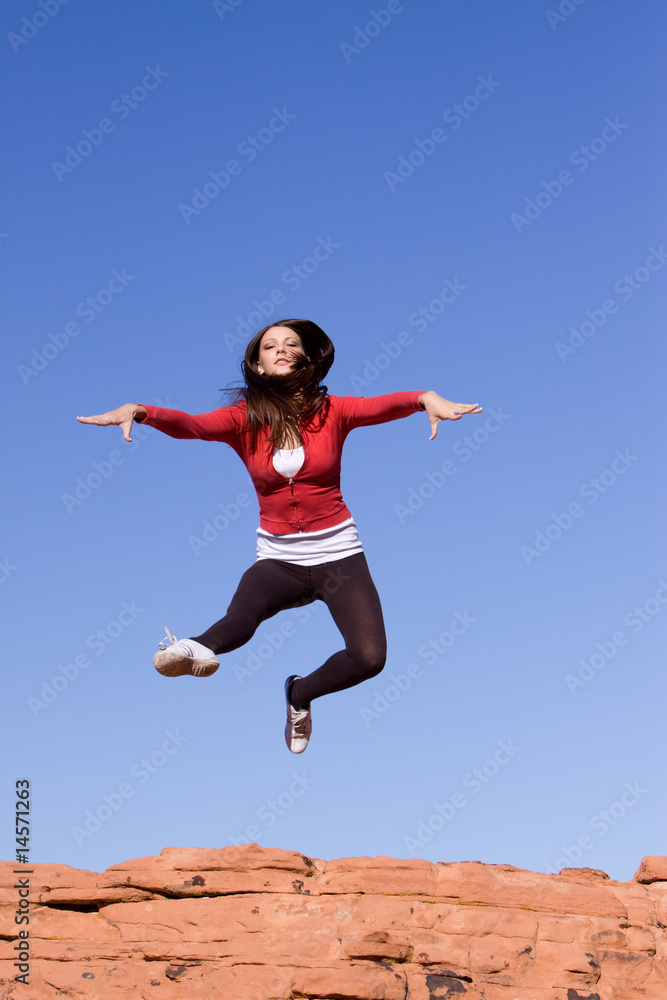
(438,408)
(217,425)
(123,416)
(362,411)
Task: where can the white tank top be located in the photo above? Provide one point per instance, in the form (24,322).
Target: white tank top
(306,548)
(288,461)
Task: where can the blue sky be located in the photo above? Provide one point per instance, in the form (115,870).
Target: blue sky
(464,195)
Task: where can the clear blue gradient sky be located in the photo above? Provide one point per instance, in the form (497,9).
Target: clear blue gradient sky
(465,196)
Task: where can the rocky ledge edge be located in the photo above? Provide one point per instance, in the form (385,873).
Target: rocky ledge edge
(255,923)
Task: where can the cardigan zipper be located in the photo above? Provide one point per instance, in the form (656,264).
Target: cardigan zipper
(295,504)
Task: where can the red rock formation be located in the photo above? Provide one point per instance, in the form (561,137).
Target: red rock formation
(248,923)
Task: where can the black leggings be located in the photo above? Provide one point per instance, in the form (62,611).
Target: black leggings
(345,586)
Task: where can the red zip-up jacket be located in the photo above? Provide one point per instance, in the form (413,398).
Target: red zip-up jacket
(312,498)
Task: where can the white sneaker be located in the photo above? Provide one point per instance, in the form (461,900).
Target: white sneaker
(299,723)
(174,658)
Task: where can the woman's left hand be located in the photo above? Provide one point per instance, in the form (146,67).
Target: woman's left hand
(439,409)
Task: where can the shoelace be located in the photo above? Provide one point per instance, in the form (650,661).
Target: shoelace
(299,725)
(169,641)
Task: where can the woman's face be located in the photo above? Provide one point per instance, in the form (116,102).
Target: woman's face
(278,349)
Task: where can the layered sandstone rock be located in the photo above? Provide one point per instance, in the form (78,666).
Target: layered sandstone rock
(249,923)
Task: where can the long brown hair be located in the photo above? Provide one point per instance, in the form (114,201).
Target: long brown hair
(287,403)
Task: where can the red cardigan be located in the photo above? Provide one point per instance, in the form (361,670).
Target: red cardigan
(312,499)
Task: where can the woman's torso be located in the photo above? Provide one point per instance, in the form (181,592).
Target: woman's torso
(306,548)
(309,498)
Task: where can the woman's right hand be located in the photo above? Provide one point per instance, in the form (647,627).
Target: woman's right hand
(122,417)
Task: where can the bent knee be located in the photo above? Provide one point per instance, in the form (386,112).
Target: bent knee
(370,662)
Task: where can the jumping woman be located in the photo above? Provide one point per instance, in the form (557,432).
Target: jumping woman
(289,432)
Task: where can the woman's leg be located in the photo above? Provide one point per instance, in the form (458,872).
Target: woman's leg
(269,586)
(348,590)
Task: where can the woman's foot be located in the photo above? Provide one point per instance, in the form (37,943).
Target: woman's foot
(299,724)
(174,658)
